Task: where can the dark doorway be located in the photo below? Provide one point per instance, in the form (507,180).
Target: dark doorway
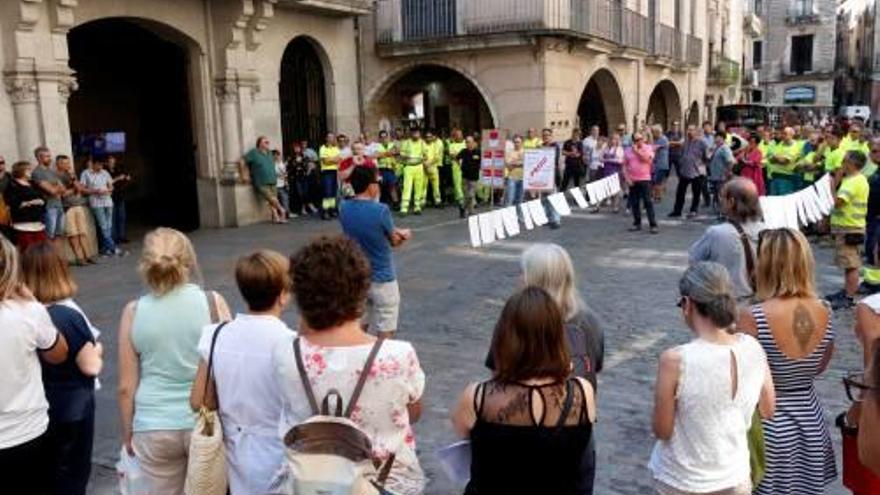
(302,94)
(663,105)
(591,109)
(133,81)
(601,103)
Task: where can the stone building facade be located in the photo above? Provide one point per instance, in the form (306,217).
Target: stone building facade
(798,53)
(228,55)
(858,56)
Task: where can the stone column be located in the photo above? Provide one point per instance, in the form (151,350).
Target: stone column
(23,94)
(228,98)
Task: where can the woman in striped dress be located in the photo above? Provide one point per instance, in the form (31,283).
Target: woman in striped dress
(794,328)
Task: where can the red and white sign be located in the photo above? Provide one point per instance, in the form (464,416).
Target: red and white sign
(539,170)
(492,163)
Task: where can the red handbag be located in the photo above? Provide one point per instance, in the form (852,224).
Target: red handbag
(856,477)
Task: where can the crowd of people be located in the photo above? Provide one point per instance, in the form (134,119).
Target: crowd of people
(83,215)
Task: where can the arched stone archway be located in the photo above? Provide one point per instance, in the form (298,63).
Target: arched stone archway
(664,105)
(693,116)
(430,95)
(303,91)
(134,100)
(601,102)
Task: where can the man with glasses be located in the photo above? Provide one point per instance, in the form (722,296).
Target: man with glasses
(257,167)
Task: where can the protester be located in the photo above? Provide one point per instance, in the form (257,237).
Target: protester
(258,168)
(750,164)
(98,186)
(121,183)
(706,393)
(612,164)
(387,158)
(513,164)
(27,335)
(637,172)
(299,169)
(691,164)
(412,154)
(720,169)
(784,178)
(158,357)
(726,243)
(243,379)
(369,223)
(661,163)
(70,385)
(454,146)
(592,154)
(281,185)
(45,179)
(549,142)
(676,145)
(470,158)
(79,229)
(848,221)
(531,416)
(433,164)
(331,280)
(573,153)
(794,327)
(27,208)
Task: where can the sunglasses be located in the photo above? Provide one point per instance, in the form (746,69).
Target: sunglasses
(681,301)
(856,389)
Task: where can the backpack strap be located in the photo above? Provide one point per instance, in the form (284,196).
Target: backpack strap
(365,373)
(750,256)
(310,394)
(210,386)
(566,406)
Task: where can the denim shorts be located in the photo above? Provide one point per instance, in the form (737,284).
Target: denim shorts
(54,222)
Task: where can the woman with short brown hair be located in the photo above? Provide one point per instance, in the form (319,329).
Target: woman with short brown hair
(530,425)
(70,386)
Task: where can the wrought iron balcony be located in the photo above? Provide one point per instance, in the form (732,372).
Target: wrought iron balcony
(803,12)
(723,72)
(441,24)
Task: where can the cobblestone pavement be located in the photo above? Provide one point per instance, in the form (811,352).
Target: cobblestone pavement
(452,295)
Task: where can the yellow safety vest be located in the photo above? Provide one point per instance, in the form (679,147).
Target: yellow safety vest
(851,216)
(834,159)
(791,151)
(413,152)
(326,154)
(454,148)
(389,162)
(434,153)
(532,143)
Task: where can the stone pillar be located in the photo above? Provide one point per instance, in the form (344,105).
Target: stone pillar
(23,94)
(228,99)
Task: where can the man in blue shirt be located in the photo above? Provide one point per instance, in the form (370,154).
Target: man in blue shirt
(368,222)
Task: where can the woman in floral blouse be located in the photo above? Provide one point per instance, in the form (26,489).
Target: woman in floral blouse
(331,278)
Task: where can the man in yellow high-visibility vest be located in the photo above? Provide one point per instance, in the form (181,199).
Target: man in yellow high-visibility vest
(532,140)
(386,154)
(454,145)
(848,224)
(784,177)
(329,156)
(412,155)
(433,162)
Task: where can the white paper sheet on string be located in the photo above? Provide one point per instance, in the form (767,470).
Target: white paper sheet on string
(526,216)
(474,228)
(539,216)
(511,222)
(497,224)
(487,229)
(578,196)
(558,202)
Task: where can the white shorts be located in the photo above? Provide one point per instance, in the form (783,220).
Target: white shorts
(383,307)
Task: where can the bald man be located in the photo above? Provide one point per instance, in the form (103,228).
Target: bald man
(724,243)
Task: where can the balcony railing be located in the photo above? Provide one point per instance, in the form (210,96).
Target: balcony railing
(802,12)
(723,72)
(406,22)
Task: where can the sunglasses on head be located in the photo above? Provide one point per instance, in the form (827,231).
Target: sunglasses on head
(856,389)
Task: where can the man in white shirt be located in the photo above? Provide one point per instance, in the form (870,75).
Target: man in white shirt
(592,158)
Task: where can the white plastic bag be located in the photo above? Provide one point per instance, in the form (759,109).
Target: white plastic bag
(131,477)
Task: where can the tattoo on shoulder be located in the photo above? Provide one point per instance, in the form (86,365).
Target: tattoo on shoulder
(804,326)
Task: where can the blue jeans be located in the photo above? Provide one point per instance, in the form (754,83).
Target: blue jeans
(119,222)
(104,222)
(513,193)
(54,222)
(284,198)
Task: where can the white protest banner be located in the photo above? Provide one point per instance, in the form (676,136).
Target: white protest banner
(558,202)
(492,162)
(511,222)
(487,229)
(539,216)
(497,224)
(578,196)
(539,170)
(474,227)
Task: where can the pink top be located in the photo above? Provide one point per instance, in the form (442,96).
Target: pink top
(638,168)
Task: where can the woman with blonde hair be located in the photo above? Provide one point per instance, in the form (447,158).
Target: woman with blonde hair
(158,357)
(26,332)
(794,327)
(70,385)
(549,267)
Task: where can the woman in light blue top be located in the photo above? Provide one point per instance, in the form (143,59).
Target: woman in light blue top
(158,357)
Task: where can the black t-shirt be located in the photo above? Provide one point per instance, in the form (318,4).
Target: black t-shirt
(70,393)
(25,203)
(120,187)
(574,161)
(297,168)
(470,163)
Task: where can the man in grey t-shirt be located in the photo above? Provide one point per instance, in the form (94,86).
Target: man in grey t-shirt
(46,180)
(723,244)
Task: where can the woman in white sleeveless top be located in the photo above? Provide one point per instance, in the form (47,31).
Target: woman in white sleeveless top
(706,394)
